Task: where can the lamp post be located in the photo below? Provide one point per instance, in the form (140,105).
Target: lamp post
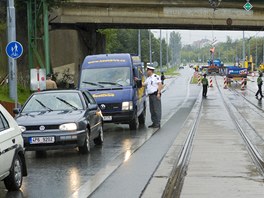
(167,50)
(150,50)
(244,49)
(139,43)
(256,60)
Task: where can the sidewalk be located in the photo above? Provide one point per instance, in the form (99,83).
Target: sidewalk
(220,165)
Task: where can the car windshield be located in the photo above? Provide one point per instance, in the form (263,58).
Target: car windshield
(53,102)
(105,77)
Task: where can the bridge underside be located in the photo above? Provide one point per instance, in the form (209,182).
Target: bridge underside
(188,14)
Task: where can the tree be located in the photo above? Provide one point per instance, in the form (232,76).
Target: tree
(175,46)
(126,41)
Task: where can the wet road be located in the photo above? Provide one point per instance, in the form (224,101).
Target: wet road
(62,173)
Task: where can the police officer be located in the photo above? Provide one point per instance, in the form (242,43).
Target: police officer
(154,86)
(205,85)
(260,82)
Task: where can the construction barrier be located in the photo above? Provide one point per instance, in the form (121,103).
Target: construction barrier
(199,80)
(243,84)
(211,82)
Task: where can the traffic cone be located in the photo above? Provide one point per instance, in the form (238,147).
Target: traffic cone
(211,82)
(225,83)
(243,84)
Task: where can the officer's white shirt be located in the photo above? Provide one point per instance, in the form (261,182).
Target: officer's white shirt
(152,83)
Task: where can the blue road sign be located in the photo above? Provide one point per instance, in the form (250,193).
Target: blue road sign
(14,49)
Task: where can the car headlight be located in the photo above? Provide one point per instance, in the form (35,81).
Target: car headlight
(68,127)
(127,106)
(22,128)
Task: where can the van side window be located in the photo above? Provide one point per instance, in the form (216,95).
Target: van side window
(3,123)
(89,97)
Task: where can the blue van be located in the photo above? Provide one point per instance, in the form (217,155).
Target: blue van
(110,79)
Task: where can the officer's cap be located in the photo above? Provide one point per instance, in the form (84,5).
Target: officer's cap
(150,68)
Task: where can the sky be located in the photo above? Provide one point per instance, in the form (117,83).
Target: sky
(189,36)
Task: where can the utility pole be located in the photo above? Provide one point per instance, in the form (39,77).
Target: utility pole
(46,35)
(12,63)
(256,52)
(38,9)
(249,47)
(139,43)
(167,50)
(244,49)
(150,50)
(160,52)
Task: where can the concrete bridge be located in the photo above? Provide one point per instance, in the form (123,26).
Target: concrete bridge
(171,14)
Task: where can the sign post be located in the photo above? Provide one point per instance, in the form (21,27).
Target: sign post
(248,6)
(12,64)
(13,50)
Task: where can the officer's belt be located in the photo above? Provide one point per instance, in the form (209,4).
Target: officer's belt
(154,93)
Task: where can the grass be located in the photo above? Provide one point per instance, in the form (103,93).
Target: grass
(23,94)
(169,72)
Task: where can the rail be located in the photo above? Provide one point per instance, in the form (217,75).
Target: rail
(174,184)
(251,147)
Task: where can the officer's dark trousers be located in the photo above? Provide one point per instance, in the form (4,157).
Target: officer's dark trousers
(259,91)
(155,109)
(205,90)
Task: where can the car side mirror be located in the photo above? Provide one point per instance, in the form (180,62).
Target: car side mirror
(92,107)
(16,110)
(139,83)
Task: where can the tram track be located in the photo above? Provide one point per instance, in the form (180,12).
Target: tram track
(176,182)
(254,152)
(174,185)
(249,101)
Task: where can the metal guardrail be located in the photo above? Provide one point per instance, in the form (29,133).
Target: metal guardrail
(4,80)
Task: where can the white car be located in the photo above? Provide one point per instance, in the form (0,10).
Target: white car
(12,159)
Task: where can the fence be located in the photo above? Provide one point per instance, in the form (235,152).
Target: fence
(9,106)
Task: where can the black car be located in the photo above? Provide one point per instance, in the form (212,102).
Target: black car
(59,119)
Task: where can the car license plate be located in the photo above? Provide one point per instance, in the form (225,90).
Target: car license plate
(41,140)
(107,118)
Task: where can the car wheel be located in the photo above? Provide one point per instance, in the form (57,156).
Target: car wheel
(100,139)
(133,125)
(14,180)
(142,117)
(85,148)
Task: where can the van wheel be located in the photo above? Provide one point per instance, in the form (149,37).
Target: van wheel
(142,117)
(86,147)
(133,124)
(100,139)
(14,180)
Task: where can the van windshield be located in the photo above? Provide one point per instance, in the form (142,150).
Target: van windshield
(105,77)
